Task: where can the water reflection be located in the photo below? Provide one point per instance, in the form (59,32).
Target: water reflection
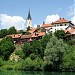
(13,72)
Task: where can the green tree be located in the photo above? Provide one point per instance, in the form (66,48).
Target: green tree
(3,33)
(28,28)
(60,34)
(27,49)
(69,60)
(28,64)
(12,30)
(20,31)
(32,56)
(37,48)
(9,38)
(1,62)
(53,53)
(38,64)
(44,41)
(20,53)
(26,33)
(6,48)
(71,42)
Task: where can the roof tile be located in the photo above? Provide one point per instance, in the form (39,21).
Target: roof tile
(61,20)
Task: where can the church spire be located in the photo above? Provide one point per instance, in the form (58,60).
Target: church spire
(29,16)
(29,20)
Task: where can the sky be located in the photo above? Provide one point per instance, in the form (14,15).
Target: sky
(15,12)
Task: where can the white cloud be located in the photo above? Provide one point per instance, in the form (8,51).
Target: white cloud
(7,21)
(73,20)
(51,18)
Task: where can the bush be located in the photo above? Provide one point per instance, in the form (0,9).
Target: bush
(20,53)
(32,56)
(38,64)
(28,64)
(1,62)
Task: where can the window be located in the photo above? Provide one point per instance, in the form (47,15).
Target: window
(57,25)
(60,24)
(65,24)
(29,22)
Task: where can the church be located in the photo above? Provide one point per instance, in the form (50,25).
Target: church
(29,20)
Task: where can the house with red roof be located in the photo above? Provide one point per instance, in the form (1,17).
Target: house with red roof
(46,27)
(61,24)
(34,35)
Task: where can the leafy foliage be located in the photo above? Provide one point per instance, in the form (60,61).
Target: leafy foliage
(6,48)
(60,34)
(53,53)
(36,48)
(1,62)
(28,28)
(20,53)
(45,40)
(27,49)
(12,30)
(3,33)
(69,60)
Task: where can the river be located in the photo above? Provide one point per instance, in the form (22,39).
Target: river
(13,72)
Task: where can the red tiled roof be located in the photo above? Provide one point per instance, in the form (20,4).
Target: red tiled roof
(15,35)
(41,33)
(46,25)
(32,30)
(33,35)
(26,36)
(70,31)
(73,27)
(61,20)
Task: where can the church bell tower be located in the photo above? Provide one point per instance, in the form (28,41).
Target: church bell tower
(29,20)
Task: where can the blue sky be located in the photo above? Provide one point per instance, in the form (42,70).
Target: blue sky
(40,9)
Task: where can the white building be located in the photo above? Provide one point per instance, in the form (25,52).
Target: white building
(61,24)
(47,27)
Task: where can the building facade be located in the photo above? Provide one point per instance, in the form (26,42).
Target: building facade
(61,24)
